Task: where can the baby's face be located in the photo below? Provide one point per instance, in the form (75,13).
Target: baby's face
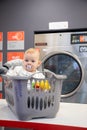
(31,62)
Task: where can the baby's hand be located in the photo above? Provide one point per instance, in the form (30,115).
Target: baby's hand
(3,70)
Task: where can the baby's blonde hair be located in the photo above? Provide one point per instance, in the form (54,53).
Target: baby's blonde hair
(33,50)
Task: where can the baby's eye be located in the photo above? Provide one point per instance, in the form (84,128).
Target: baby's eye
(26,60)
(33,61)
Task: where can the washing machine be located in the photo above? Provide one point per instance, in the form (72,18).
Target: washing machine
(65,52)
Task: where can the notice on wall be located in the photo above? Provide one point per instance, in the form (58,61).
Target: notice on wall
(14,55)
(0,84)
(0,59)
(0,95)
(15,40)
(58,25)
(1,40)
(0,67)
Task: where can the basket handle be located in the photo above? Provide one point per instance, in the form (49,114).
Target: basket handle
(57,76)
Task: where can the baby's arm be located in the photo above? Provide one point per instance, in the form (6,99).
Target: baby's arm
(9,64)
(13,63)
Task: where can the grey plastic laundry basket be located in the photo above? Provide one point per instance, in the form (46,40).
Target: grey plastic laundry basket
(33,103)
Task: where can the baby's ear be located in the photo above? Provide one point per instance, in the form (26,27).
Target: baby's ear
(38,49)
(39,63)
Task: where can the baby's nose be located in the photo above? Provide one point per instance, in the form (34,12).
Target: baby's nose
(29,62)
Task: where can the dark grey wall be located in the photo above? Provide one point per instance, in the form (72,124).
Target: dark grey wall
(31,15)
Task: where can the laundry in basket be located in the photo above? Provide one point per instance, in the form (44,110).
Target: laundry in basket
(41,100)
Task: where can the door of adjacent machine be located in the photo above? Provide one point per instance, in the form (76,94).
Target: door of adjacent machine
(65,63)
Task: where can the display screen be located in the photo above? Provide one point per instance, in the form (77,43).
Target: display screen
(79,38)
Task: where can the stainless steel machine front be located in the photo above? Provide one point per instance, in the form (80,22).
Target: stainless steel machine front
(65,52)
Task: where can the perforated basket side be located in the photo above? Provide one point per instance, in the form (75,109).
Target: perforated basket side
(34,103)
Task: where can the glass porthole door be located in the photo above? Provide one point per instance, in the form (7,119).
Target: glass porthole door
(65,63)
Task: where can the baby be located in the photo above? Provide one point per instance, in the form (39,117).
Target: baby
(31,62)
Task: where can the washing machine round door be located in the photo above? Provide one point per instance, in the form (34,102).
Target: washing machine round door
(65,63)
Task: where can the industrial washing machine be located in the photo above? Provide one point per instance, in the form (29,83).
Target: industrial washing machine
(65,52)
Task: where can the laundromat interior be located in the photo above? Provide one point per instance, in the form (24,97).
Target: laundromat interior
(63,49)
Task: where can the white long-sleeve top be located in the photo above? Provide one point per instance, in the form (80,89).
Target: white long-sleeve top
(20,71)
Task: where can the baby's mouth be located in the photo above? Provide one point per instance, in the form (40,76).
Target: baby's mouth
(28,67)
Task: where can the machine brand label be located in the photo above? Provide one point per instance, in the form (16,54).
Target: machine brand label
(41,44)
(83,49)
